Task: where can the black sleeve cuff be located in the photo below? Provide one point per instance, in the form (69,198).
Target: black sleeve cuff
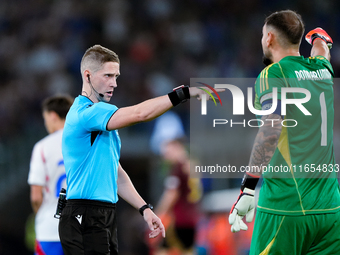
(249,182)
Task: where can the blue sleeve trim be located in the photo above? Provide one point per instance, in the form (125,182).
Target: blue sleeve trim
(267,104)
(96,117)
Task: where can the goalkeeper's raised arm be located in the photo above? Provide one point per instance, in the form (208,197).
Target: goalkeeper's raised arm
(321,42)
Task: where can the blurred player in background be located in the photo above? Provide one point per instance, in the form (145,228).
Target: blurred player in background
(47,175)
(180,199)
(298,210)
(91,150)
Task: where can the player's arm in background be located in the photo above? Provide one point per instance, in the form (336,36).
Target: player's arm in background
(321,43)
(170,196)
(36,177)
(36,197)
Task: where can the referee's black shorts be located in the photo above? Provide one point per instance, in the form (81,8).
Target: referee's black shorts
(88,227)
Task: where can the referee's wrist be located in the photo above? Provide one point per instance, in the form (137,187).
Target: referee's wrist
(144,207)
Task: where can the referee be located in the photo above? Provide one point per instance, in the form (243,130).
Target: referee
(91,151)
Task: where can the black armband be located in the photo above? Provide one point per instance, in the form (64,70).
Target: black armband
(249,182)
(179,95)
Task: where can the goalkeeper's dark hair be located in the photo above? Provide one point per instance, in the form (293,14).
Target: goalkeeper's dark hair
(289,24)
(58,104)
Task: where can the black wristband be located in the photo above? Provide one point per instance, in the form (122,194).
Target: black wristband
(249,182)
(179,95)
(316,35)
(141,210)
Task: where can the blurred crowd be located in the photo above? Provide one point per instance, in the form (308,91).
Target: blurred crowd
(161,44)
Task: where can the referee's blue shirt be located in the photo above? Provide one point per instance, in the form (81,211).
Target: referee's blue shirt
(91,153)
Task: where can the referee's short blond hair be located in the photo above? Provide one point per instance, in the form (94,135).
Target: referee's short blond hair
(95,57)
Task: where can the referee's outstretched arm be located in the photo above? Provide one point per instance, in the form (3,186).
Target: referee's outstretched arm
(147,110)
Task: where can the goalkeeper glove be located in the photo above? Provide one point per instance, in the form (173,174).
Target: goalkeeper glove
(244,206)
(321,34)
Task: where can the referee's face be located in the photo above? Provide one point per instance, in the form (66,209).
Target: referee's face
(105,80)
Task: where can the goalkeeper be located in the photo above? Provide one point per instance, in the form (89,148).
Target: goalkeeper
(297,212)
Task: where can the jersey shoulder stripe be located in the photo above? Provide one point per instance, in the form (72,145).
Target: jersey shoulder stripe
(325,62)
(272,71)
(263,79)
